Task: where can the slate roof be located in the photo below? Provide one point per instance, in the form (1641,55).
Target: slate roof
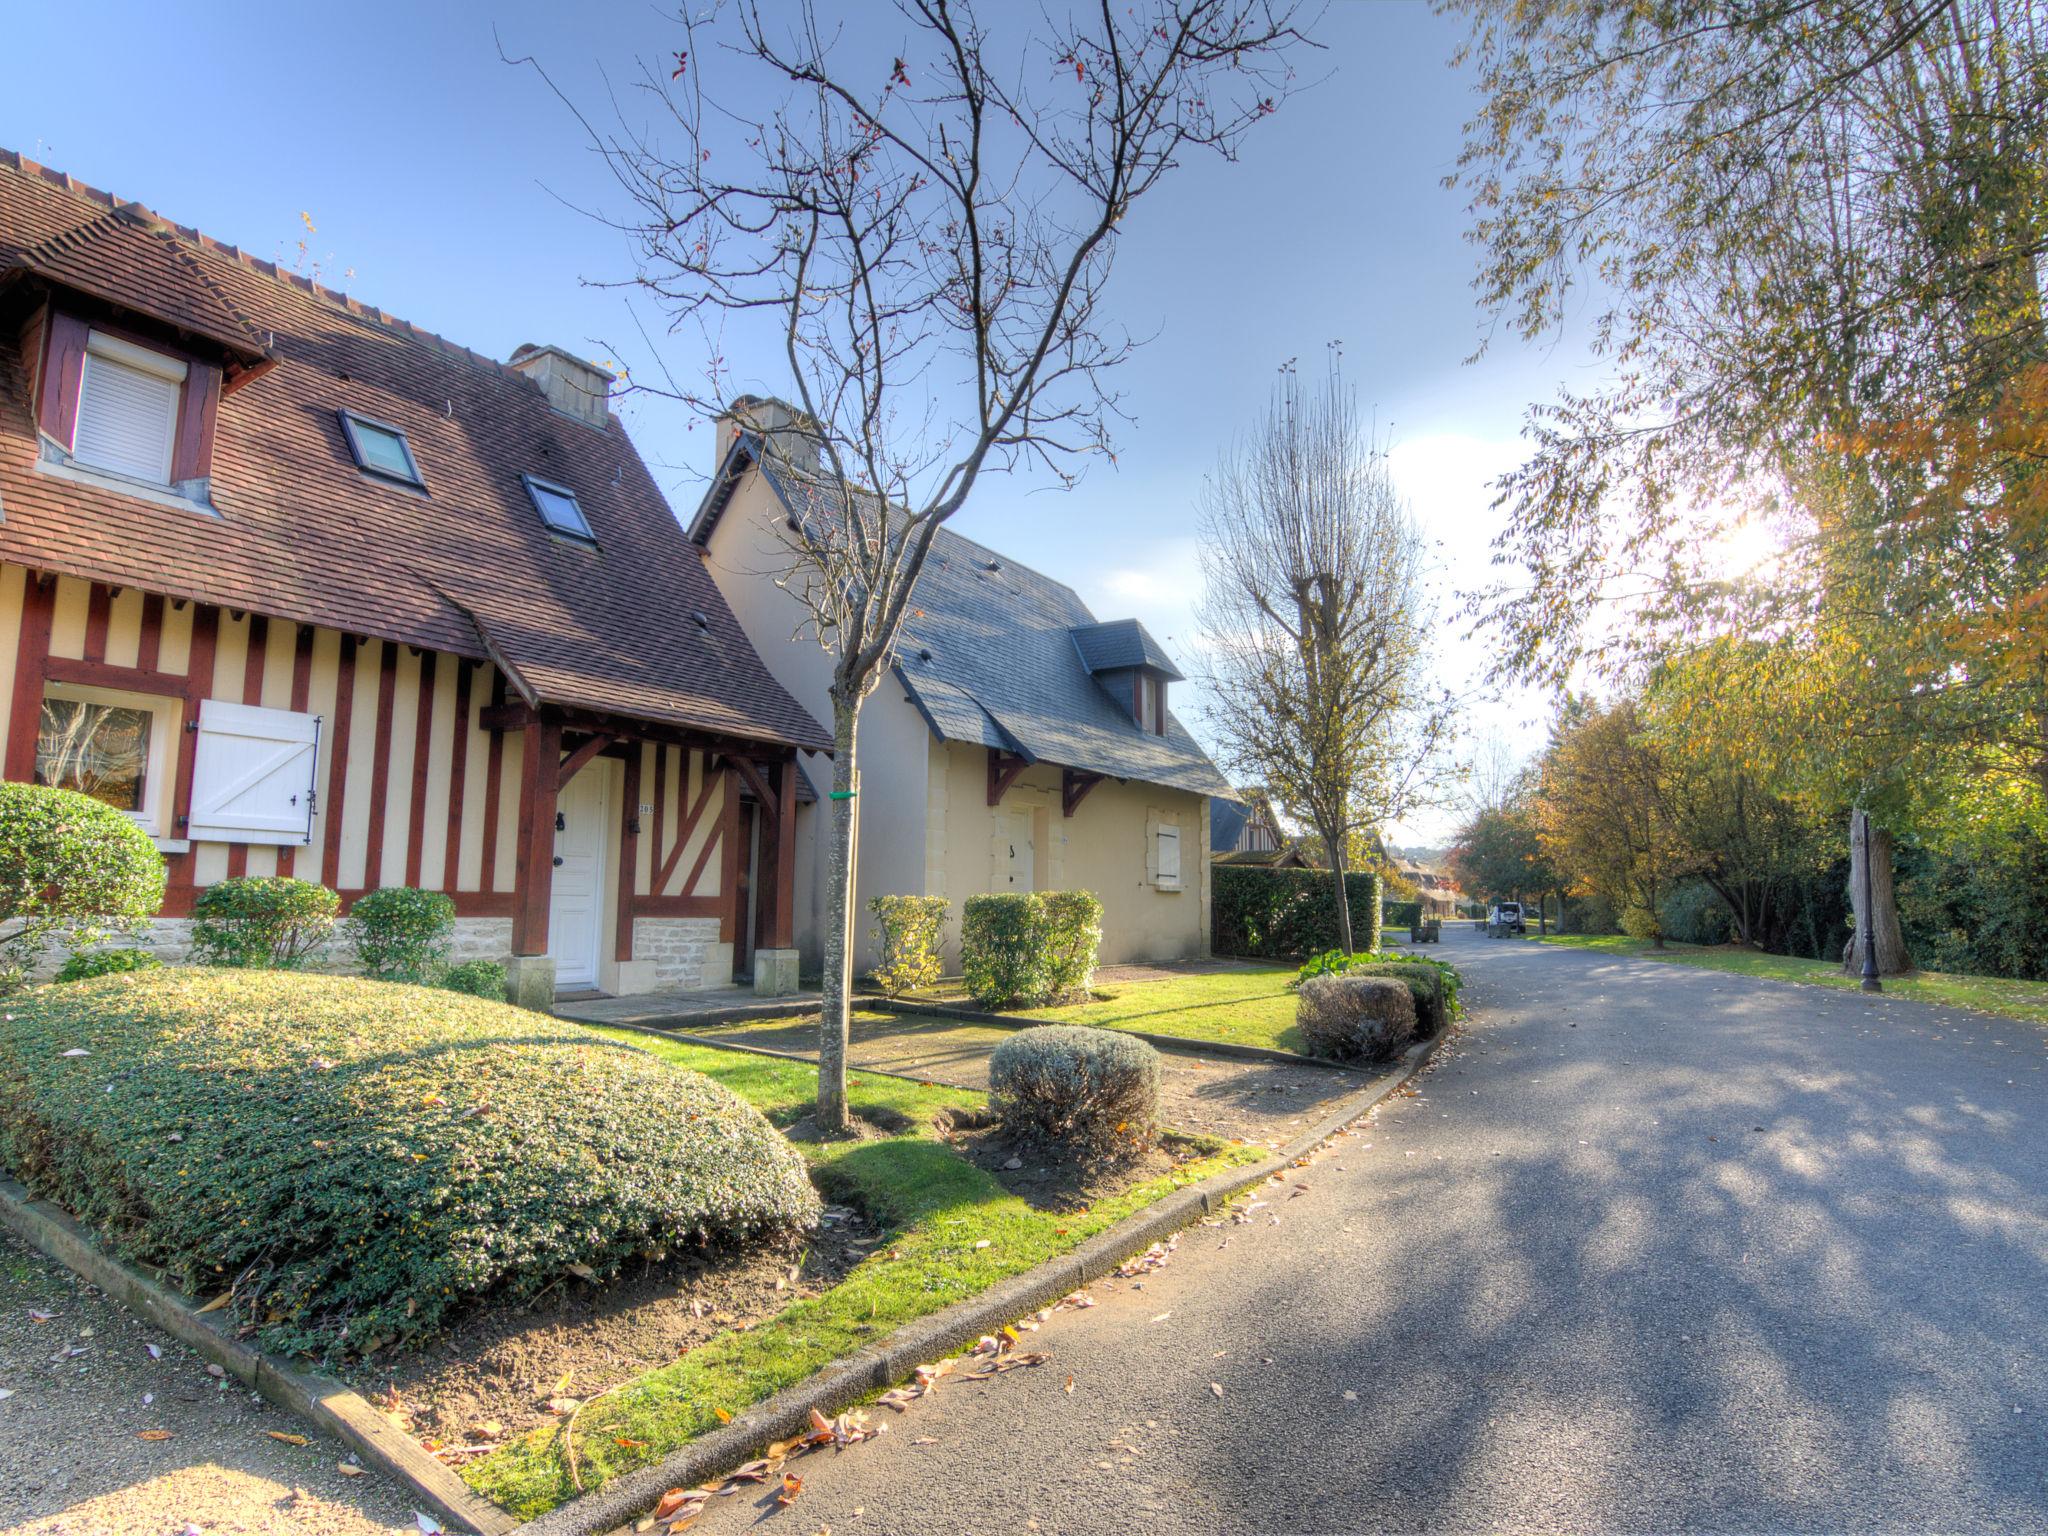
(1120,645)
(467,568)
(1226,823)
(988,656)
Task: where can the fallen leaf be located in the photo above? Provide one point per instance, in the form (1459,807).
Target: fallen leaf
(792,1485)
(77,1051)
(1070,1385)
(41,1317)
(1216,1387)
(287,1437)
(428,1525)
(6,1393)
(926,1440)
(348,1469)
(216,1373)
(154,1352)
(1163,1316)
(723,1416)
(981,1245)
(630,1444)
(582,1271)
(670,1502)
(154,1434)
(218,1302)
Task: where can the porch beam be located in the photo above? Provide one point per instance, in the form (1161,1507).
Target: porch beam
(539,785)
(583,754)
(751,772)
(1074,787)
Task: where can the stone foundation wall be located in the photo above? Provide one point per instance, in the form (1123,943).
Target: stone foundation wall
(170,940)
(681,949)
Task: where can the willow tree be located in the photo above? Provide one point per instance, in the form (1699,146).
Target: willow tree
(1313,612)
(1809,235)
(913,241)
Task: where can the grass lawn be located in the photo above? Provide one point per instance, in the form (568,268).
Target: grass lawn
(937,1209)
(1243,1007)
(1986,994)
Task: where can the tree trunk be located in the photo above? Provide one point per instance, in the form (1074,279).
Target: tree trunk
(1883,919)
(836,1012)
(1336,848)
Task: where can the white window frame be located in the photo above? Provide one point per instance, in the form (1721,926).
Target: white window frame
(166,717)
(112,350)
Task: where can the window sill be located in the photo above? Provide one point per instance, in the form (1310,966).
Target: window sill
(172,844)
(122,485)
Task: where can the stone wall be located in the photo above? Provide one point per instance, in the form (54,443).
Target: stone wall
(682,951)
(170,940)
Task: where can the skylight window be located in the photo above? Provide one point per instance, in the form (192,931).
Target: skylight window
(558,509)
(381,449)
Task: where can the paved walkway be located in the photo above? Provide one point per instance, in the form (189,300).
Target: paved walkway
(1655,1249)
(1214,1095)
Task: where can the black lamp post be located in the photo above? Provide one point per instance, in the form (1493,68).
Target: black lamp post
(1867,921)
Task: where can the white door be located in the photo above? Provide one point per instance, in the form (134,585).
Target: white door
(576,910)
(1022,865)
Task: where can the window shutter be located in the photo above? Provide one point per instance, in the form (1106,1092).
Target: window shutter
(127,419)
(1168,839)
(252,774)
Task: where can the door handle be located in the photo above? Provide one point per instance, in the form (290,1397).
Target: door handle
(558,861)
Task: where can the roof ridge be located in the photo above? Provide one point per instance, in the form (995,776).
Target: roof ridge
(118,220)
(188,235)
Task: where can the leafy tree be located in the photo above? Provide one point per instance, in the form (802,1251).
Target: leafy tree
(1312,604)
(928,245)
(1603,813)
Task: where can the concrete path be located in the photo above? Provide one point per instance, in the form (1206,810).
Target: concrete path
(1213,1095)
(1654,1249)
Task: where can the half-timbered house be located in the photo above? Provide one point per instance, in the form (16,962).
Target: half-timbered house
(308,591)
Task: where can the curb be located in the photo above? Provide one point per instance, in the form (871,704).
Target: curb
(876,1367)
(321,1400)
(1180,1045)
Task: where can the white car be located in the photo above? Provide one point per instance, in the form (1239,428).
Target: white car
(1506,917)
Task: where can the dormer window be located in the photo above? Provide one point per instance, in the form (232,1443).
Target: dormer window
(380,449)
(1149,703)
(559,509)
(128,400)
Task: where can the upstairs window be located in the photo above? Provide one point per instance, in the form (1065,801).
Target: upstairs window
(1151,703)
(558,508)
(381,449)
(128,409)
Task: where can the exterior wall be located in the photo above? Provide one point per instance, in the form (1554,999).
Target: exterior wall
(685,954)
(412,789)
(1104,847)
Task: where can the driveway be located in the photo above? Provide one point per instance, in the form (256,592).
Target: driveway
(1653,1249)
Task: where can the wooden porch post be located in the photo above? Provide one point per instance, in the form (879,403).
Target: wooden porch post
(784,920)
(534,876)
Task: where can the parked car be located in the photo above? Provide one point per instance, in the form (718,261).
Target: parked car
(1506,917)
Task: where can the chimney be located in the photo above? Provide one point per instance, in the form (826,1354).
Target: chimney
(791,435)
(573,387)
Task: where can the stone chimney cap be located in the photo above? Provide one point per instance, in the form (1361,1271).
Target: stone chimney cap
(573,385)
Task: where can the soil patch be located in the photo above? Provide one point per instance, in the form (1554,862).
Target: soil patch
(1049,1177)
(498,1374)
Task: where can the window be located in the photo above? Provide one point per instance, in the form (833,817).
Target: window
(128,409)
(1151,702)
(112,746)
(381,449)
(558,508)
(252,774)
(1166,858)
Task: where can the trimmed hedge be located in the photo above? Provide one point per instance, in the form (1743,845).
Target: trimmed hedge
(1002,947)
(1073,940)
(262,922)
(1426,982)
(1284,914)
(1090,1089)
(402,934)
(71,870)
(476,978)
(87,964)
(1400,914)
(358,1160)
(1355,1018)
(911,929)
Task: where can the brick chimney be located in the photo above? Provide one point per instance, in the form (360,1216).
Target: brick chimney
(573,387)
(789,431)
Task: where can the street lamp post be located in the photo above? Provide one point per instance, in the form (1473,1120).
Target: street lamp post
(1867,920)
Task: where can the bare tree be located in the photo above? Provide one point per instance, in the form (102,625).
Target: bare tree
(1313,610)
(925,239)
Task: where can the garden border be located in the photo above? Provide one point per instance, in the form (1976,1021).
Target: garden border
(327,1404)
(879,1366)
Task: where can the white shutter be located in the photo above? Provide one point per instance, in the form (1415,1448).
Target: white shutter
(127,415)
(252,774)
(1169,855)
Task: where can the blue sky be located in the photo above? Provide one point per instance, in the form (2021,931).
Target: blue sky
(445,181)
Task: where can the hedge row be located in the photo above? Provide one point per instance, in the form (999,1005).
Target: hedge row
(1285,914)
(1400,914)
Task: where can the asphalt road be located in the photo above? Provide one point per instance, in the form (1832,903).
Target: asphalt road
(1653,1249)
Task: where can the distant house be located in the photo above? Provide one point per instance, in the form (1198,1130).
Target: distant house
(1437,892)
(307,591)
(1244,826)
(1018,744)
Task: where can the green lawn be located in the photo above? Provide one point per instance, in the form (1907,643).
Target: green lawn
(937,1209)
(1242,1007)
(1986,994)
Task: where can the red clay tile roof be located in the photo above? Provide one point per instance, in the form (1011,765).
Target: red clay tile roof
(118,257)
(304,535)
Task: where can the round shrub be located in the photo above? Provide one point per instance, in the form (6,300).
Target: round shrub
(261,922)
(1002,947)
(357,1160)
(476,978)
(910,928)
(1086,1088)
(71,869)
(1425,984)
(106,962)
(1355,1018)
(402,934)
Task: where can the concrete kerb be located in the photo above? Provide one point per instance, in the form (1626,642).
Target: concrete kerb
(327,1404)
(876,1367)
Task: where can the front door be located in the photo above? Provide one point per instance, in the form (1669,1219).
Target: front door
(576,911)
(1022,867)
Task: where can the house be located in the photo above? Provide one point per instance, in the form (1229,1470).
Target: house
(308,591)
(1245,831)
(1017,744)
(1437,892)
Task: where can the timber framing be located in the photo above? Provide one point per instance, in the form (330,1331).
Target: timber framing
(1003,770)
(1074,787)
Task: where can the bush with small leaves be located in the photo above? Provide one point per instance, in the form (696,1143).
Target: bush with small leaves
(1424,981)
(402,934)
(71,870)
(1355,1018)
(1644,924)
(261,922)
(1073,937)
(476,978)
(107,962)
(1002,948)
(911,929)
(1088,1089)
